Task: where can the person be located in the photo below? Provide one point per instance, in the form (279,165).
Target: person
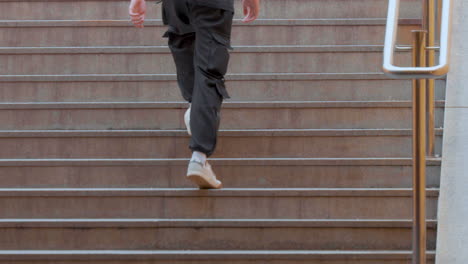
(199,37)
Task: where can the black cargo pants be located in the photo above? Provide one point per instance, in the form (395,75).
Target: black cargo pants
(199,38)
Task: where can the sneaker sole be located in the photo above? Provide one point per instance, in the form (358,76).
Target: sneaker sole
(202,183)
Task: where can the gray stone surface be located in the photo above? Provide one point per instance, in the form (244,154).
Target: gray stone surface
(453,210)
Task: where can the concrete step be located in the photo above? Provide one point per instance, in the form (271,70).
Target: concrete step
(158,59)
(373,76)
(235,173)
(284,143)
(235,115)
(209,234)
(314,203)
(363,88)
(209,256)
(45,33)
(118,9)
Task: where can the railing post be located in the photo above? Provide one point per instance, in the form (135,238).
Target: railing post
(419,151)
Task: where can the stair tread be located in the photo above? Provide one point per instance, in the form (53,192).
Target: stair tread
(236,22)
(210,254)
(172,77)
(213,223)
(228,104)
(226,192)
(220,161)
(222,132)
(165,49)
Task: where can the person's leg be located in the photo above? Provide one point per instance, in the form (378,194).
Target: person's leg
(213,32)
(201,59)
(181,42)
(181,47)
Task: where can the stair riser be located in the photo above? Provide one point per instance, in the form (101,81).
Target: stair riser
(331,90)
(241,35)
(209,238)
(163,63)
(94,10)
(228,147)
(308,261)
(232,118)
(232,176)
(213,207)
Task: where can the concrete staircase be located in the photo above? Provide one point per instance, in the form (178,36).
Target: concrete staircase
(314,150)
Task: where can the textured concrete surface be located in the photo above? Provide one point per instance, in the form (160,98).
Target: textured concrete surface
(117,9)
(314,151)
(453,210)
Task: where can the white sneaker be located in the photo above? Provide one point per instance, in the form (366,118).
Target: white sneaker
(187,120)
(203,175)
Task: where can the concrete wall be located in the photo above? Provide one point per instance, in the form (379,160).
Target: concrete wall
(452,244)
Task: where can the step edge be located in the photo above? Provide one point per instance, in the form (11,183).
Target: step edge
(172,77)
(209,223)
(222,133)
(209,254)
(164,49)
(236,22)
(227,192)
(224,161)
(228,104)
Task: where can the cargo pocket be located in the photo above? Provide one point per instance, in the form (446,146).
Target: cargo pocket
(168,32)
(218,59)
(221,88)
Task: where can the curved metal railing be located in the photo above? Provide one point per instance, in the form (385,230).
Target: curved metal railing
(436,71)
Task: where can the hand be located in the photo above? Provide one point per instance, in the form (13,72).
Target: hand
(137,11)
(251,10)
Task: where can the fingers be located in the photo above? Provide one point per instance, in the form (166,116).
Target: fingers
(137,18)
(139,23)
(250,12)
(250,17)
(132,13)
(246,12)
(137,11)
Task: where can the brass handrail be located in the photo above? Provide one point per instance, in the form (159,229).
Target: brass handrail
(423,68)
(430,72)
